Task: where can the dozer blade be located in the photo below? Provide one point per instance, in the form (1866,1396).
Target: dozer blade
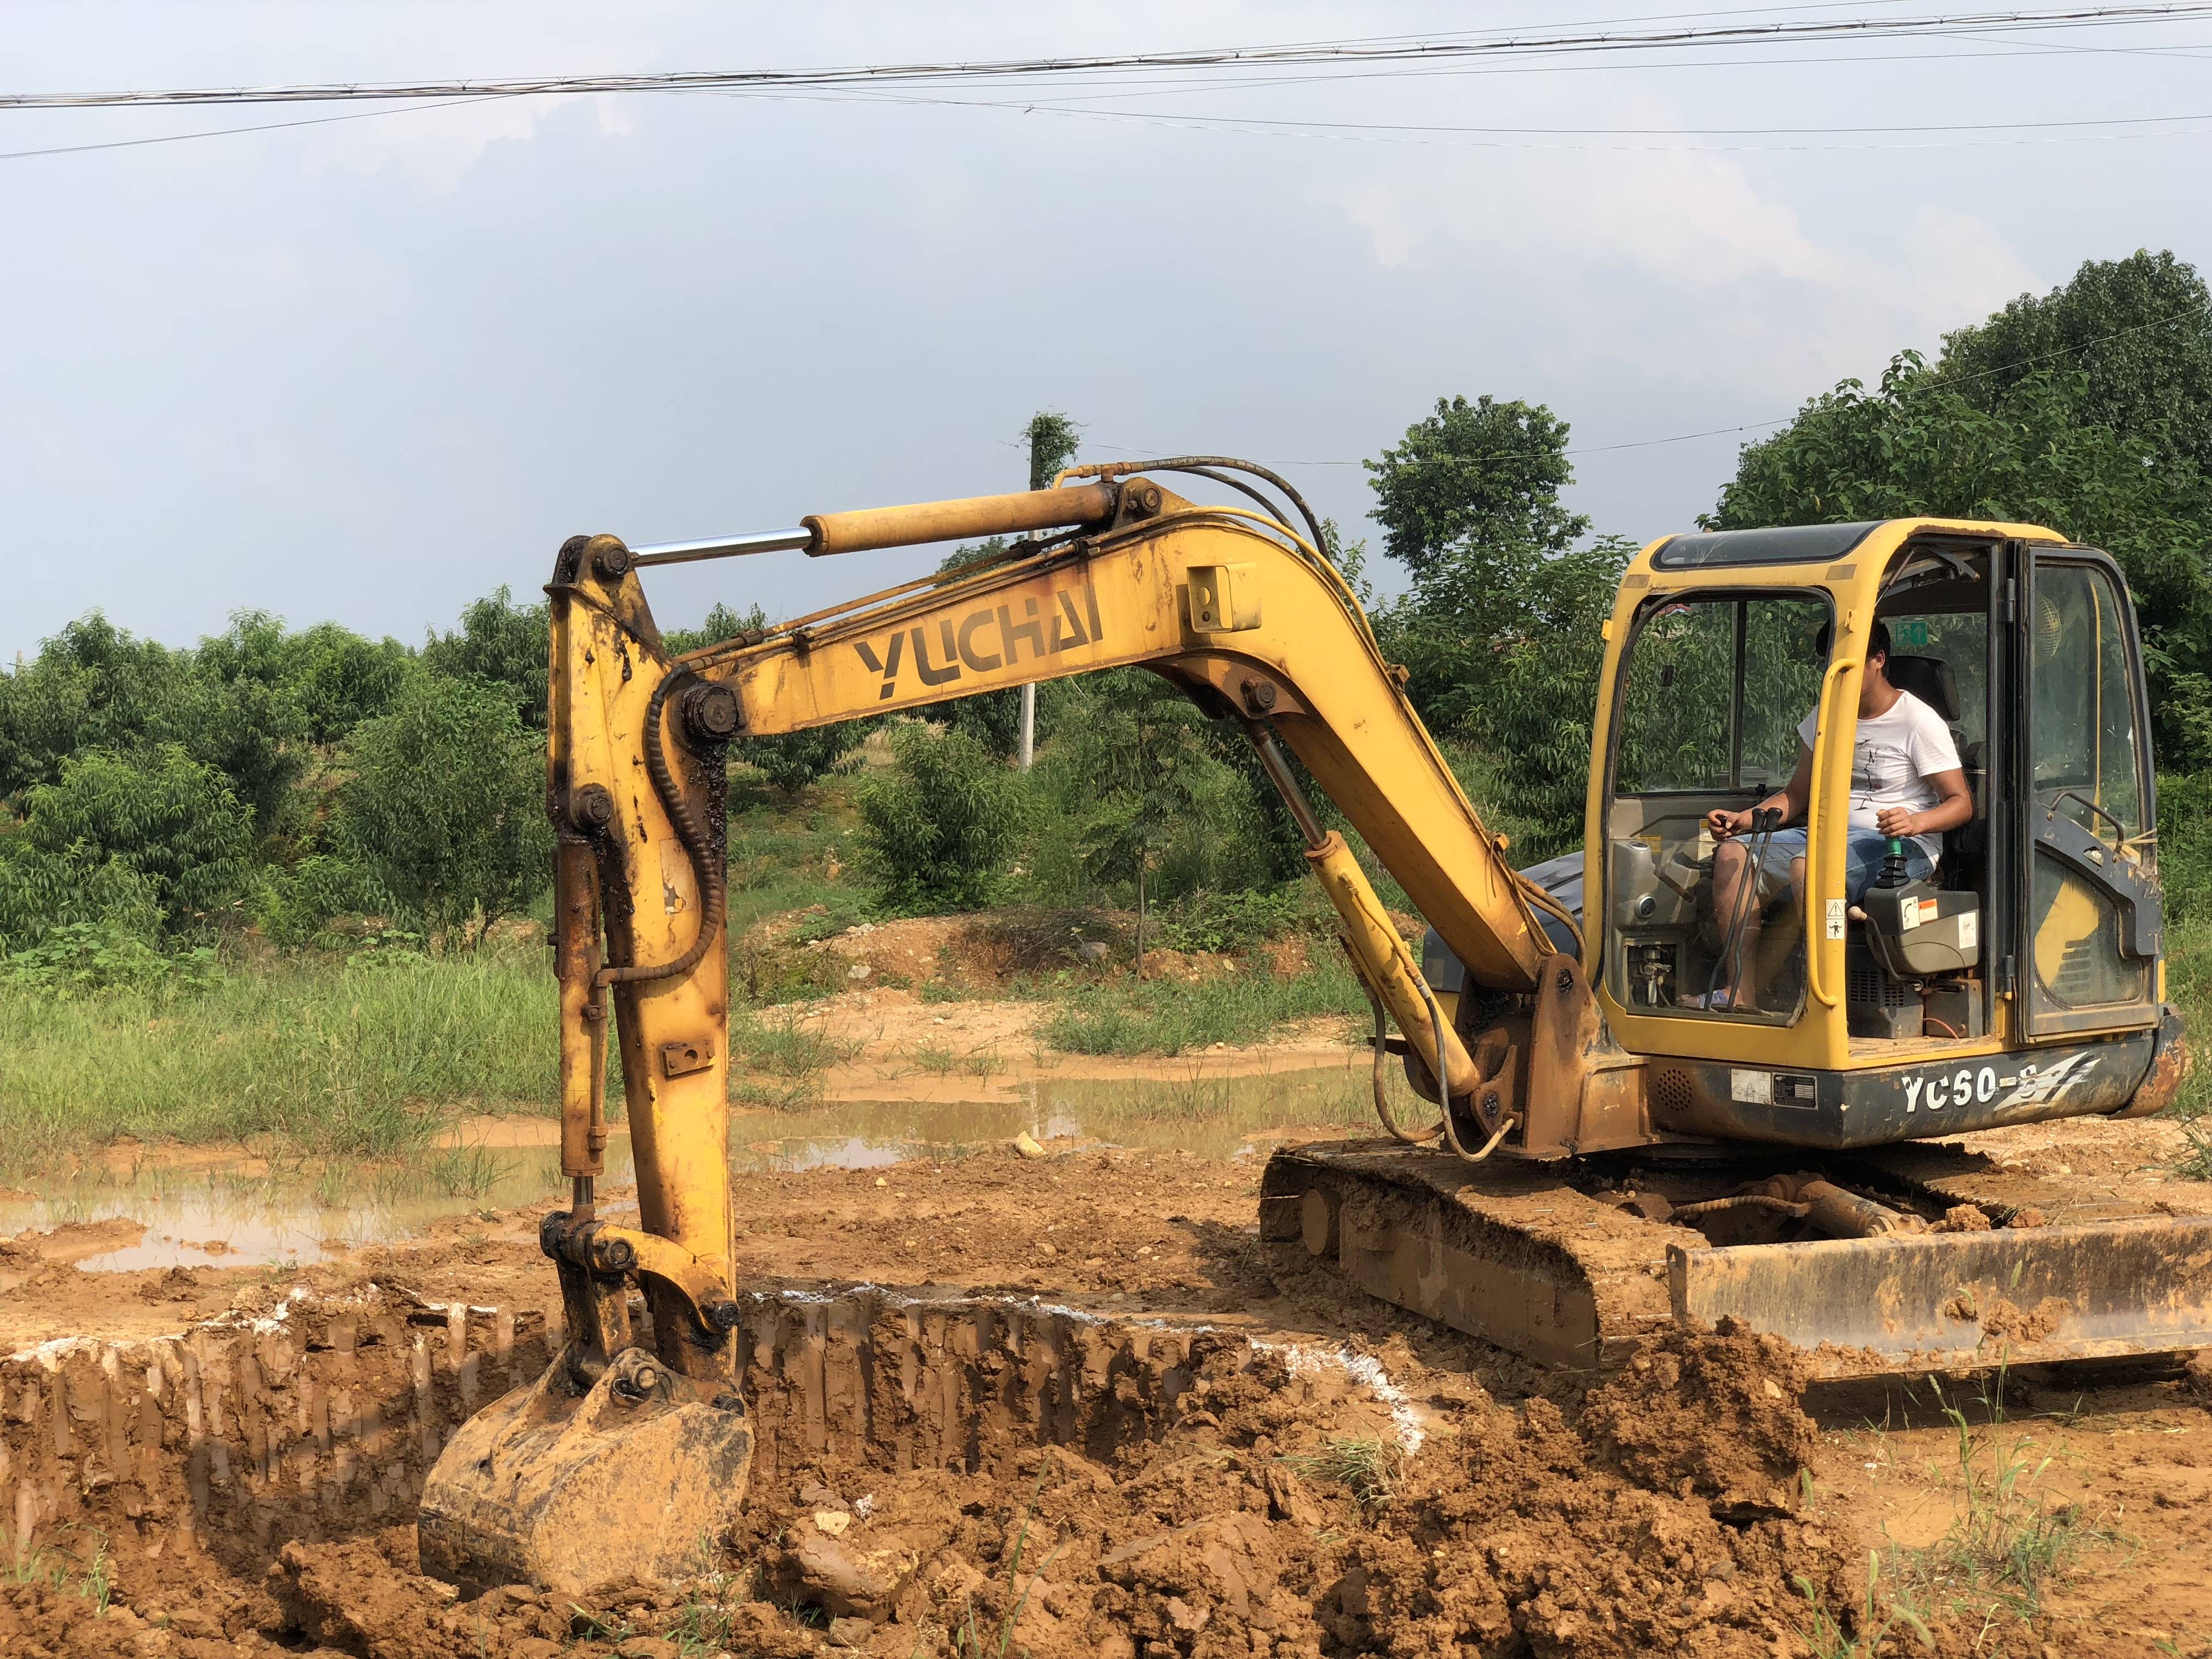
(1524,1260)
(1925,1302)
(638,1476)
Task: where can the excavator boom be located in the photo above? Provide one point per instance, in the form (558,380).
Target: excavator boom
(647,1436)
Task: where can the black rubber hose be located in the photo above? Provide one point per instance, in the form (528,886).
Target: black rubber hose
(1381,1101)
(706,871)
(1196,462)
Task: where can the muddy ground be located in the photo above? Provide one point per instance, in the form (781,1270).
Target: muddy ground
(1261,1466)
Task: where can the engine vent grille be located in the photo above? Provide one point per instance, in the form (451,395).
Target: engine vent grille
(1674,1089)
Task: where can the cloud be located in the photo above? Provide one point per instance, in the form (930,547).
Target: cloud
(1681,266)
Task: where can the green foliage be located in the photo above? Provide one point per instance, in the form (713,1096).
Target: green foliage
(1238,921)
(720,623)
(791,761)
(94,686)
(937,825)
(1499,633)
(117,833)
(315,1055)
(1174,1015)
(1473,482)
(2185,844)
(505,643)
(1919,444)
(78,958)
(445,808)
(294,904)
(2137,330)
(329,677)
(1135,772)
(1051,439)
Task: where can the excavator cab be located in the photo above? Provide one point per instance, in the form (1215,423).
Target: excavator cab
(2037,929)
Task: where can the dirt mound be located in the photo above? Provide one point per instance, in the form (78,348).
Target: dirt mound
(1710,1414)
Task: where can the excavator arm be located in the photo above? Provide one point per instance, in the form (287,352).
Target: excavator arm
(1233,606)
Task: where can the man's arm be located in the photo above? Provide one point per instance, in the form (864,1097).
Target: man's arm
(1792,798)
(1954,806)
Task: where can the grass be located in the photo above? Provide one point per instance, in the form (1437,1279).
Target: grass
(1877,1617)
(2006,1546)
(780,1044)
(360,1061)
(2189,988)
(1368,1469)
(1994,1564)
(1171,1017)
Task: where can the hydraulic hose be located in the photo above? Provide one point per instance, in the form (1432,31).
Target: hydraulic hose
(707,871)
(1381,1100)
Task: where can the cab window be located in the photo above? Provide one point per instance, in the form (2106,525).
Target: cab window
(1710,696)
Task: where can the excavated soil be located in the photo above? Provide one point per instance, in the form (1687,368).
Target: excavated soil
(1097,1418)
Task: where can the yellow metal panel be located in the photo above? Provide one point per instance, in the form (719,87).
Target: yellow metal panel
(1224,599)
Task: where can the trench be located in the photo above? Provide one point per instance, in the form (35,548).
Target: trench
(320,1422)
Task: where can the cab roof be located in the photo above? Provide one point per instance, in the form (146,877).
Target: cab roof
(1812,544)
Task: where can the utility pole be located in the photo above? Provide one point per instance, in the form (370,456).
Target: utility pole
(1051,445)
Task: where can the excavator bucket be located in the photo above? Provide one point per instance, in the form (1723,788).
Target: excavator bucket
(567,1486)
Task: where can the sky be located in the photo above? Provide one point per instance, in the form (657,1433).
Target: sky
(371,369)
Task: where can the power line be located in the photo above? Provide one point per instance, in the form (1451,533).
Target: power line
(1261,126)
(224,132)
(1367,49)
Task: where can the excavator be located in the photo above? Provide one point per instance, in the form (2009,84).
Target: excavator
(1651,1106)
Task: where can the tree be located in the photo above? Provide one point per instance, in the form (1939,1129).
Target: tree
(2139,332)
(937,825)
(1472,483)
(1921,444)
(503,642)
(445,805)
(1053,439)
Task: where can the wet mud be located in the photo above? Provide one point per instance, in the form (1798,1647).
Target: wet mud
(1066,1406)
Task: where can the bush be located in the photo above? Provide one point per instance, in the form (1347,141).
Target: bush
(445,810)
(75,958)
(936,827)
(1134,772)
(507,644)
(122,833)
(294,905)
(1239,921)
(94,686)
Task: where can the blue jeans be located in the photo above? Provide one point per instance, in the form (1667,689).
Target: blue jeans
(1863,851)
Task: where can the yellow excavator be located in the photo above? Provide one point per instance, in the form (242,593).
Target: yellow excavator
(1653,1104)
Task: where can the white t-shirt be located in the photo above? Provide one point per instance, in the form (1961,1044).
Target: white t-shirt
(1892,759)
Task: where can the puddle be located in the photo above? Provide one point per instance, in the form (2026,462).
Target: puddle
(201,1211)
(1220,1118)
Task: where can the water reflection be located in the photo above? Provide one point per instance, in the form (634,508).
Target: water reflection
(250,1211)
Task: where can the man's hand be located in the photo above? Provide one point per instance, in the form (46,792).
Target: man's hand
(1897,822)
(1724,824)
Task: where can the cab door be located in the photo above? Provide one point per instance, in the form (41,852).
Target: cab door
(2086,888)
